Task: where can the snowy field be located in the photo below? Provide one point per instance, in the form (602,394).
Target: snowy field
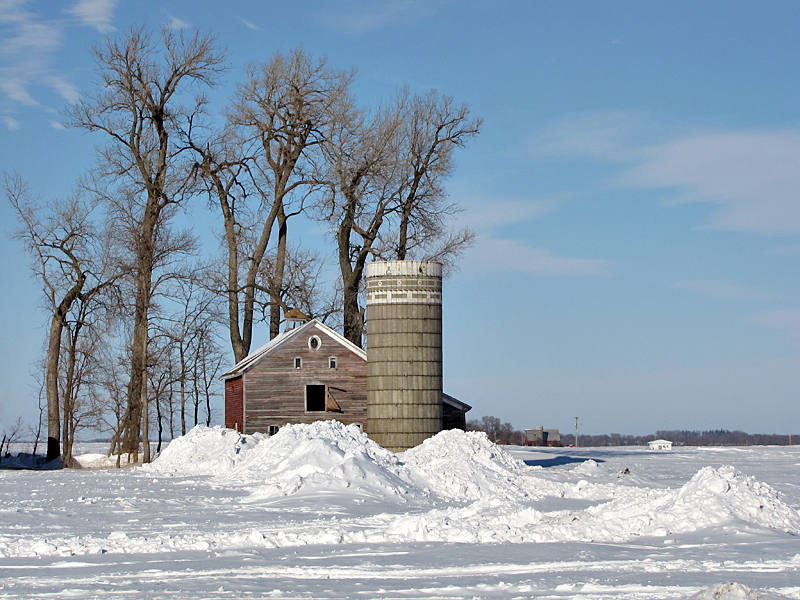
(319,511)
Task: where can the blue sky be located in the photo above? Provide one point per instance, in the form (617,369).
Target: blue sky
(636,189)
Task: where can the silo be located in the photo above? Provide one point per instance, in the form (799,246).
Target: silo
(404,352)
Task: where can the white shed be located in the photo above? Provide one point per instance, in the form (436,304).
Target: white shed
(660,445)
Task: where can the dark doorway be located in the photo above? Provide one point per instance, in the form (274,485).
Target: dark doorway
(315,398)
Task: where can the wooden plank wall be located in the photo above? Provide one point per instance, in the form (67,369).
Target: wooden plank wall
(276,390)
(234,404)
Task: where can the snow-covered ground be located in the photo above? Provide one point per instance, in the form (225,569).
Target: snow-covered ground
(319,511)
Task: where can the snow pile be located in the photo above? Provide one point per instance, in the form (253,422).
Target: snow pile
(204,451)
(712,497)
(321,455)
(490,496)
(98,461)
(734,591)
(466,466)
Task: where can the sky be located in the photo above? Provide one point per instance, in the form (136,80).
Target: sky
(635,189)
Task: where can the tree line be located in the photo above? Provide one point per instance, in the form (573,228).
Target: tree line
(504,433)
(134,307)
(716,437)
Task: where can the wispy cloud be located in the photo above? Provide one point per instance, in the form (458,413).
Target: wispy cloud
(487,215)
(176,23)
(727,290)
(27,51)
(788,250)
(787,320)
(251,25)
(752,176)
(95,13)
(492,255)
(495,252)
(361,16)
(11,123)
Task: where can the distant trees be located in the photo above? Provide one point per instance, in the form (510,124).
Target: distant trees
(718,437)
(499,433)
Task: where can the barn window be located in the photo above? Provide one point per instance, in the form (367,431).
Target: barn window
(298,362)
(314,342)
(332,362)
(315,398)
(273,429)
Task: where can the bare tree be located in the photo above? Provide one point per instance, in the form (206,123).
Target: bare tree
(434,127)
(386,170)
(74,268)
(361,148)
(137,107)
(260,171)
(9,437)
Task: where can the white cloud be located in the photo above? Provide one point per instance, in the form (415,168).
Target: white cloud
(57,125)
(176,23)
(27,51)
(95,13)
(11,123)
(251,25)
(484,214)
(492,255)
(752,176)
(788,250)
(358,16)
(607,136)
(726,290)
(786,319)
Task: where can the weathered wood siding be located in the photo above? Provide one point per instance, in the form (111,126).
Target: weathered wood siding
(276,389)
(234,404)
(452,418)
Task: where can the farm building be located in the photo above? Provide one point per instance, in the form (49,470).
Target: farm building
(660,445)
(539,436)
(307,374)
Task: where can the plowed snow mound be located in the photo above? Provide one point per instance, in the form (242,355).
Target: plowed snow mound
(324,454)
(712,497)
(735,591)
(204,451)
(459,465)
(491,495)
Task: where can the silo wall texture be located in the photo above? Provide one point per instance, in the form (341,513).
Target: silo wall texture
(404,352)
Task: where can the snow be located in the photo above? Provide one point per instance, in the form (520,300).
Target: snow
(321,511)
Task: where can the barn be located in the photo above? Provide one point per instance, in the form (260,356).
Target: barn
(307,374)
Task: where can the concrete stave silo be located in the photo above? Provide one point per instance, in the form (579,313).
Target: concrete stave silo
(404,352)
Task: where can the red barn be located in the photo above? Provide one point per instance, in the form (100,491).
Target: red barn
(303,375)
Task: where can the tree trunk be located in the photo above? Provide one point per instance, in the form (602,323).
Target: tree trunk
(51,386)
(145,423)
(51,375)
(133,414)
(183,392)
(277,278)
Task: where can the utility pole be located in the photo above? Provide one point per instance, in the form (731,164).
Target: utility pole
(576,432)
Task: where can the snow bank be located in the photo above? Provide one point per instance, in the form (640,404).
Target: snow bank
(466,466)
(489,495)
(711,498)
(322,455)
(735,591)
(204,451)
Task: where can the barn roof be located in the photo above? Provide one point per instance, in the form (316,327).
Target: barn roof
(281,339)
(455,403)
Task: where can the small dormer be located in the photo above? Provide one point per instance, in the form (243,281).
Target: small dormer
(294,318)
